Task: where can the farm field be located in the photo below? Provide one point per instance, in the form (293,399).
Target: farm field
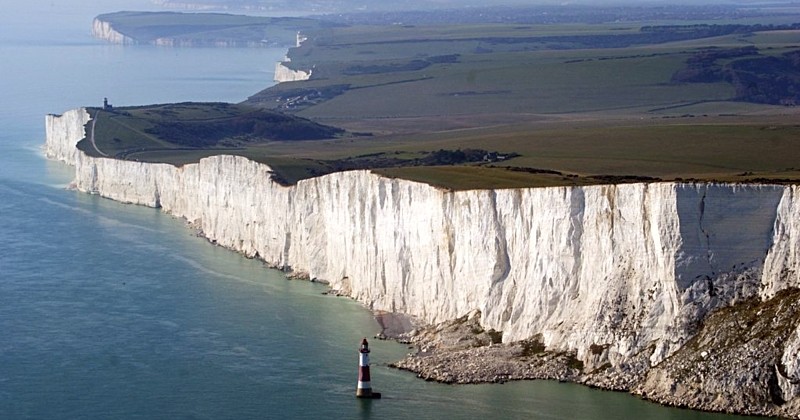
(592,112)
(566,104)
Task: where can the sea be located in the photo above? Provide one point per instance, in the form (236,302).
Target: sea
(115,311)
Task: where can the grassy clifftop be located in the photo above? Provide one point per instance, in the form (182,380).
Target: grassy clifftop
(411,71)
(531,104)
(182,132)
(578,104)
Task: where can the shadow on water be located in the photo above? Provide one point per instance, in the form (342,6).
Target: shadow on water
(365,407)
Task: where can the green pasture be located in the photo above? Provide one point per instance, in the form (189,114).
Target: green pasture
(584,152)
(114,135)
(689,150)
(184,132)
(545,82)
(574,116)
(495,74)
(502,69)
(400,41)
(686,151)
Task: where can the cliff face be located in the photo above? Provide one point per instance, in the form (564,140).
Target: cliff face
(104,30)
(782,265)
(628,269)
(285,74)
(63,133)
(743,360)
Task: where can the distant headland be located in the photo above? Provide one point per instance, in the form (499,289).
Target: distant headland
(201,29)
(587,103)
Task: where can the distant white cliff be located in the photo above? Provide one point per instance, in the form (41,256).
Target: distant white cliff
(63,133)
(104,30)
(629,268)
(284,74)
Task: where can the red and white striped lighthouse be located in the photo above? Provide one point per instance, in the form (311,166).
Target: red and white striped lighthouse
(364,389)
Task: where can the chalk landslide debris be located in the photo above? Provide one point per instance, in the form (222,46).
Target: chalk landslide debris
(461,351)
(744,360)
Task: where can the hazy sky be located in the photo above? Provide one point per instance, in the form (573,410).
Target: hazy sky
(19,20)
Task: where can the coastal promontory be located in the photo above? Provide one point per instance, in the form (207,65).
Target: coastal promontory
(609,203)
(618,278)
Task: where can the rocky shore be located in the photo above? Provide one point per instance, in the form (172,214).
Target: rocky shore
(733,364)
(743,360)
(462,352)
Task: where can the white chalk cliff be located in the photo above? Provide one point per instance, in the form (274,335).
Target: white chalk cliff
(63,133)
(631,267)
(284,74)
(104,30)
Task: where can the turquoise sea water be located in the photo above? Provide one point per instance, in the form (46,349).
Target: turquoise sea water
(117,311)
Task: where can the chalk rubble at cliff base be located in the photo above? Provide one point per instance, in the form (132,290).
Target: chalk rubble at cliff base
(733,364)
(461,351)
(617,275)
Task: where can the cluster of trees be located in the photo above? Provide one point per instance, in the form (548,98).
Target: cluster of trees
(705,30)
(702,67)
(767,80)
(757,78)
(413,65)
(439,157)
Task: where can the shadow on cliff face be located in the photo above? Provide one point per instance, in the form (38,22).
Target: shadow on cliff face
(394,325)
(735,363)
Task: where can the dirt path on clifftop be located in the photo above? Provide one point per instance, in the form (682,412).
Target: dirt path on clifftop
(91,135)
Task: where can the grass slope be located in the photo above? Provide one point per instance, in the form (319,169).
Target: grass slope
(506,69)
(177,132)
(565,104)
(576,113)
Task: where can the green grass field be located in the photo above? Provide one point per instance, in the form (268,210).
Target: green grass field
(180,133)
(512,76)
(588,113)
(707,149)
(584,112)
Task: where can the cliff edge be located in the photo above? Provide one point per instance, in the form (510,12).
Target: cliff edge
(620,277)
